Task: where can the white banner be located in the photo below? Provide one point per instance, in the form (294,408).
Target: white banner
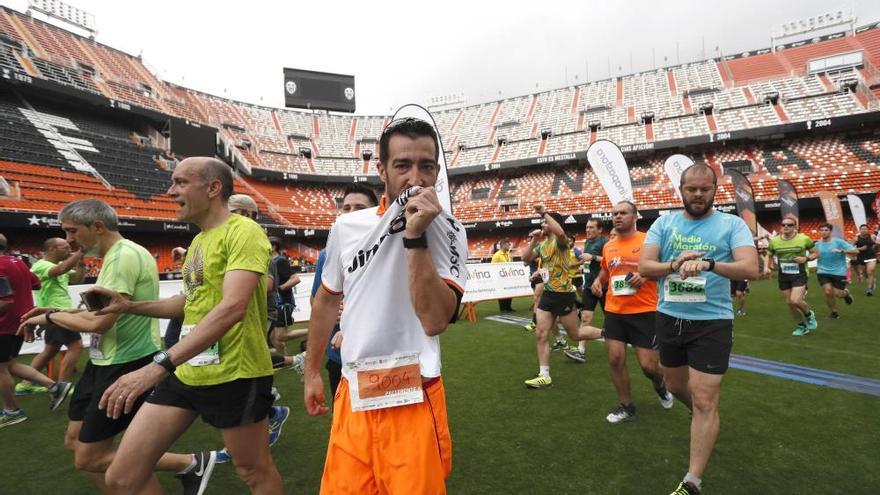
(488,281)
(610,167)
(675,165)
(857,208)
(442,184)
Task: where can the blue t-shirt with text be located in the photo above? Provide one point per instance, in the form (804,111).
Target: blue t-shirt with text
(716,235)
(831,263)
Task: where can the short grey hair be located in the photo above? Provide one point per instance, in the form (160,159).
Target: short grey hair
(88,211)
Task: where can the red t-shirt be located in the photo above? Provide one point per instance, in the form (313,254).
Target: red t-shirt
(22,282)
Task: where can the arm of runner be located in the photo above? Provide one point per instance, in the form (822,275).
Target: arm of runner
(67,265)
(599,284)
(292,282)
(171,307)
(744,266)
(650,265)
(325,311)
(528,253)
(238,287)
(75,321)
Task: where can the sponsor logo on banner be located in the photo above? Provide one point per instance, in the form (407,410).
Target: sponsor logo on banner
(289,231)
(675,165)
(608,164)
(857,208)
(788,200)
(488,281)
(745,199)
(43,221)
(175,227)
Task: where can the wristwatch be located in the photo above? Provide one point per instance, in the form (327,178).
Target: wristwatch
(417,243)
(163,359)
(711,264)
(49,314)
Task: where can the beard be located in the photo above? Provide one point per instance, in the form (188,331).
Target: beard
(699,211)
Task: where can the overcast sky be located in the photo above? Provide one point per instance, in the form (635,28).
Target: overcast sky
(402,52)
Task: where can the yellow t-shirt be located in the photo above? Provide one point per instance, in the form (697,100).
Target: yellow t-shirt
(501,257)
(555,257)
(237,244)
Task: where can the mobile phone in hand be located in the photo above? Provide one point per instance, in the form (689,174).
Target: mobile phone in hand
(94,301)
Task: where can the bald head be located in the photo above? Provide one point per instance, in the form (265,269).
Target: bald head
(698,170)
(211,169)
(51,243)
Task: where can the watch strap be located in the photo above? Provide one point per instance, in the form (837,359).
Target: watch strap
(417,243)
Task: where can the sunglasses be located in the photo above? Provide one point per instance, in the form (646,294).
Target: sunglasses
(788,225)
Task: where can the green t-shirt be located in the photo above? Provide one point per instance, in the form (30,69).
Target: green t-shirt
(237,244)
(556,259)
(53,290)
(786,250)
(128,269)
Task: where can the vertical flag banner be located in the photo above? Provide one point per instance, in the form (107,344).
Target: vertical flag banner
(877,206)
(442,185)
(833,212)
(857,208)
(745,199)
(608,164)
(788,200)
(675,165)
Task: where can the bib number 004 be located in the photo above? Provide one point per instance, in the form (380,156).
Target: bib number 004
(385,381)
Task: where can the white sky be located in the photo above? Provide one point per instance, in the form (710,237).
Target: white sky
(402,52)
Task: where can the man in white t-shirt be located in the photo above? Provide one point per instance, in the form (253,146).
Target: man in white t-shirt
(402,269)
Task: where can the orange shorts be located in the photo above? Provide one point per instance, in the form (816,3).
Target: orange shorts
(402,450)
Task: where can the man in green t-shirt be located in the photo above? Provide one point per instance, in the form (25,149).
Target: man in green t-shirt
(220,369)
(118,344)
(56,269)
(789,252)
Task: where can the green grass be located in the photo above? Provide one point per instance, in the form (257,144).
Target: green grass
(777,436)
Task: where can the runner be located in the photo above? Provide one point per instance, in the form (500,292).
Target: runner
(866,262)
(790,251)
(831,271)
(693,255)
(592,257)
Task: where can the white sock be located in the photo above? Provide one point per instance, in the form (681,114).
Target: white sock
(582,346)
(544,370)
(697,482)
(191,466)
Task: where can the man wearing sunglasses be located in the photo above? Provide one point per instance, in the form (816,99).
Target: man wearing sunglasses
(789,252)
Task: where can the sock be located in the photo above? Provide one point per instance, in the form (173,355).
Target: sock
(191,466)
(544,370)
(582,346)
(697,482)
(12,411)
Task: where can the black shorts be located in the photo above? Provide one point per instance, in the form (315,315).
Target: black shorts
(866,260)
(237,403)
(856,262)
(59,336)
(590,300)
(738,286)
(96,426)
(558,303)
(836,281)
(10,346)
(704,345)
(787,281)
(638,329)
(577,281)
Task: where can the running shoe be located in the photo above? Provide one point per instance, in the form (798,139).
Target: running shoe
(223,456)
(276,395)
(276,423)
(812,324)
(559,344)
(869,292)
(740,312)
(57,394)
(530,327)
(196,479)
(28,388)
(686,488)
(848,298)
(8,418)
(299,365)
(540,381)
(666,399)
(622,413)
(834,315)
(801,330)
(575,355)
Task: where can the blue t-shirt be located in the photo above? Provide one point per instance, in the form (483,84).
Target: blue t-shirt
(717,236)
(831,263)
(332,354)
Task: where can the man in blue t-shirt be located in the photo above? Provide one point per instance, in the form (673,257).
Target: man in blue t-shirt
(831,271)
(693,255)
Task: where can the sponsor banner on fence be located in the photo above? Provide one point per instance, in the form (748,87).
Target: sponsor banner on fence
(488,281)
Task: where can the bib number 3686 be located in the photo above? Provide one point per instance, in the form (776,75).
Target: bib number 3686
(693,289)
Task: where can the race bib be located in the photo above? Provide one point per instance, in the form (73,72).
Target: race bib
(789,268)
(95,346)
(385,381)
(620,287)
(545,275)
(683,291)
(209,356)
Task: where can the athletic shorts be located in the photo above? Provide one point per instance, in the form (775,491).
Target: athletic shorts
(404,449)
(237,403)
(836,281)
(96,426)
(10,346)
(704,345)
(59,336)
(856,262)
(787,281)
(865,261)
(590,300)
(738,286)
(558,303)
(638,329)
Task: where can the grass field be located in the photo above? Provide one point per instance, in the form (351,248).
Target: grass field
(777,436)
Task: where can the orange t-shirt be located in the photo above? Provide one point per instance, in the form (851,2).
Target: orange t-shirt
(619,257)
